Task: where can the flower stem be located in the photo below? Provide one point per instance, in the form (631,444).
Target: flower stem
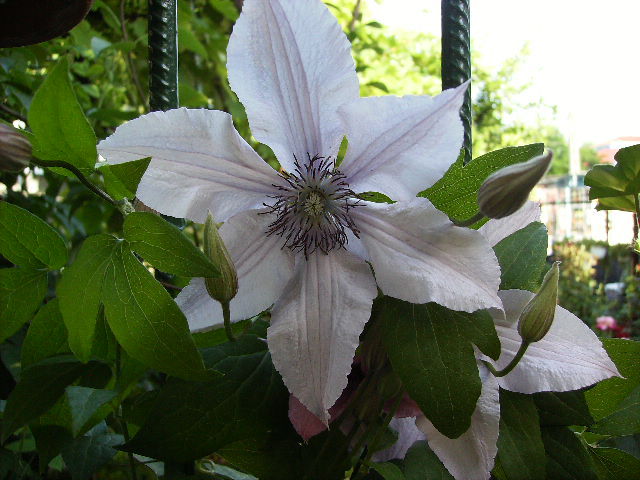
(226,315)
(636,200)
(73,169)
(470,221)
(380,431)
(512,364)
(120,417)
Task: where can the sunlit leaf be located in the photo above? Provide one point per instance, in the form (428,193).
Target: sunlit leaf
(80,292)
(28,241)
(456,193)
(166,247)
(145,320)
(21,293)
(46,337)
(56,118)
(615,185)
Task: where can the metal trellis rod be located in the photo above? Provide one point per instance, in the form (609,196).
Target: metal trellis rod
(163,54)
(456,58)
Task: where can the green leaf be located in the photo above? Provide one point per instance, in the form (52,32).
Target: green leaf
(456,193)
(166,247)
(479,329)
(520,447)
(46,337)
(61,130)
(84,403)
(226,8)
(614,464)
(216,336)
(146,321)
(420,463)
(21,293)
(567,457)
(39,388)
(523,258)
(388,471)
(604,398)
(617,203)
(562,408)
(620,182)
(86,454)
(430,352)
(247,402)
(28,241)
(80,292)
(625,420)
(50,440)
(121,181)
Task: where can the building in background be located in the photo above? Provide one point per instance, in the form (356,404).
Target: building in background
(570,215)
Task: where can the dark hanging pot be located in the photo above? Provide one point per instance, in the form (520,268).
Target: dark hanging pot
(25,22)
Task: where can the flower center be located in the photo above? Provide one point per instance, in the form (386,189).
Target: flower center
(313,208)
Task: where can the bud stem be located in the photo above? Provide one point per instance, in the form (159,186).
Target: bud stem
(67,166)
(226,315)
(512,364)
(470,221)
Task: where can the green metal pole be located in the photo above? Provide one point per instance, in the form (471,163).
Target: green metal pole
(163,54)
(456,57)
(163,95)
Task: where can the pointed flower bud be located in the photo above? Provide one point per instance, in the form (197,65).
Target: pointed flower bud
(537,316)
(506,190)
(15,149)
(225,287)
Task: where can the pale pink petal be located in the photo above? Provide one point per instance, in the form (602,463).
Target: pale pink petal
(307,424)
(290,64)
(263,268)
(408,434)
(199,163)
(472,454)
(419,256)
(407,407)
(498,229)
(401,145)
(569,357)
(304,422)
(315,326)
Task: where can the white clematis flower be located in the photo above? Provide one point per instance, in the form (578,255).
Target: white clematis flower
(301,240)
(569,357)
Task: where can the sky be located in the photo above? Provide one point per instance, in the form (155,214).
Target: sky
(584,54)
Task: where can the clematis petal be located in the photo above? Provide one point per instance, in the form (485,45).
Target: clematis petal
(419,256)
(569,357)
(199,163)
(401,145)
(315,326)
(408,434)
(498,229)
(291,66)
(471,455)
(263,270)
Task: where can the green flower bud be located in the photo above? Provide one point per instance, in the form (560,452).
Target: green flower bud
(506,190)
(225,287)
(537,316)
(15,149)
